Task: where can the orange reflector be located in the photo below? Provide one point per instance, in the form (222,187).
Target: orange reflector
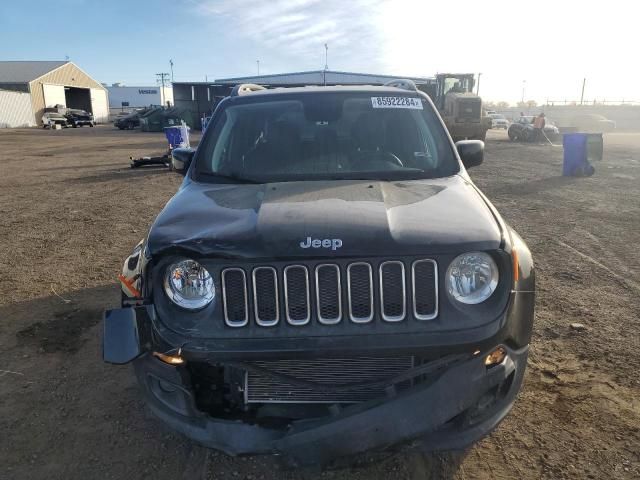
(496,357)
(516,265)
(128,284)
(170,359)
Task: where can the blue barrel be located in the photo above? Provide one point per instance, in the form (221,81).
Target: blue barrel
(177,136)
(576,155)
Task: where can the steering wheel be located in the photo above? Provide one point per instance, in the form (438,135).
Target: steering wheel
(380,154)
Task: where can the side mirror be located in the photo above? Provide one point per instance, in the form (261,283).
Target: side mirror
(471,152)
(181,159)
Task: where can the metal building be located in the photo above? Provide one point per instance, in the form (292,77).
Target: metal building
(318,77)
(15,110)
(51,83)
(121,96)
(200,98)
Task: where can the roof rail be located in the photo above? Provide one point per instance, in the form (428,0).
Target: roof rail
(245,88)
(404,84)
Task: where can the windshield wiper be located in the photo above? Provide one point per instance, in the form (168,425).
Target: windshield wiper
(230,178)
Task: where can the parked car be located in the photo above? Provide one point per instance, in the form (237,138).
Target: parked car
(79,118)
(498,121)
(522,130)
(326,281)
(592,123)
(49,119)
(128,121)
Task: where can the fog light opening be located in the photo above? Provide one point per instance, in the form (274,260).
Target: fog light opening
(496,357)
(170,359)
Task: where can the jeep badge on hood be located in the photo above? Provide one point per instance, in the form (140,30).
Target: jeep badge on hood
(332,243)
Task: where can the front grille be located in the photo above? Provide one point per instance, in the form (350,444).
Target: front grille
(330,293)
(470,109)
(296,293)
(234,297)
(332,372)
(360,287)
(424,278)
(265,296)
(393,295)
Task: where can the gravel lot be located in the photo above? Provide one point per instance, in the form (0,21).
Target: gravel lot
(71,210)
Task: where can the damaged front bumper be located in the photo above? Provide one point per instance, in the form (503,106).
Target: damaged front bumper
(459,405)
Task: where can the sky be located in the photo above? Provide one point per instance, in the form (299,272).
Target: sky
(545,47)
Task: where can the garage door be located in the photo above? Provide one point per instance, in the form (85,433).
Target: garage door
(100,105)
(53,95)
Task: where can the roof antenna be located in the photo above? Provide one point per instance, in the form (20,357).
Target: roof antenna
(66,58)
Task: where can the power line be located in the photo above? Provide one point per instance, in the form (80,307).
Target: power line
(161,78)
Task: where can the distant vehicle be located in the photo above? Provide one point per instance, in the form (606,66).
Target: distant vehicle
(522,129)
(592,123)
(459,107)
(79,118)
(49,119)
(128,121)
(498,120)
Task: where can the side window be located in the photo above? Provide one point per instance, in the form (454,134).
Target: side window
(222,132)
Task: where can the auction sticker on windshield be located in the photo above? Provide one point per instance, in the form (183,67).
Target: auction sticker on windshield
(396,102)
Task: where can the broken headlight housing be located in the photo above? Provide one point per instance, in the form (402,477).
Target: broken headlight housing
(472,277)
(189,285)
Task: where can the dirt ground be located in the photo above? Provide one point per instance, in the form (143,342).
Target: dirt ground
(71,210)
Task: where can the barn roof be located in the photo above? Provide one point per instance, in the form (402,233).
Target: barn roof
(18,71)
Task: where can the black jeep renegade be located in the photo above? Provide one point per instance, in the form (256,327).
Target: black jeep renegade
(327,280)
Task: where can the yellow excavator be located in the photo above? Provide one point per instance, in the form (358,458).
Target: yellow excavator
(459,107)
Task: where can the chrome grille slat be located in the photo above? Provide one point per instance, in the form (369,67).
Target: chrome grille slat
(296,294)
(393,291)
(234,297)
(328,294)
(360,292)
(265,296)
(424,284)
(262,388)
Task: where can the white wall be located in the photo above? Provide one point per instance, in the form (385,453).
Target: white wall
(16,110)
(54,95)
(99,105)
(139,96)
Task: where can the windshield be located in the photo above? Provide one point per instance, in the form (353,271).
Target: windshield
(326,136)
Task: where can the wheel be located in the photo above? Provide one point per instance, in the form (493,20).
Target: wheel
(74,125)
(512,135)
(91,125)
(130,126)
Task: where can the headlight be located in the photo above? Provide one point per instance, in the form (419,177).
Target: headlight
(189,285)
(472,277)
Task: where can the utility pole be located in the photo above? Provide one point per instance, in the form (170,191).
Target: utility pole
(171,64)
(161,80)
(478,87)
(326,64)
(584,80)
(524,82)
(258,63)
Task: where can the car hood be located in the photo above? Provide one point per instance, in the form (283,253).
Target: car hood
(359,218)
